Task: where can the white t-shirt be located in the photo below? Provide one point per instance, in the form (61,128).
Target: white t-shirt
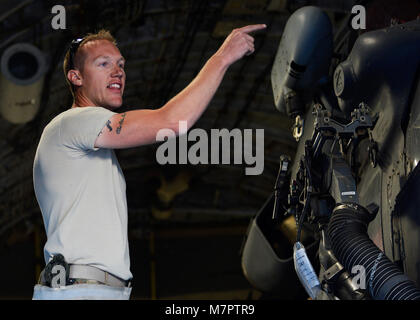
(81,192)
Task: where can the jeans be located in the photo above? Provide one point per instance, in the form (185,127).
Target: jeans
(81,292)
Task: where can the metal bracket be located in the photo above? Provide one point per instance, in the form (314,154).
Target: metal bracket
(360,119)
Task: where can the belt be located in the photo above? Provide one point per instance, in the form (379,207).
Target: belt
(86,272)
(80,271)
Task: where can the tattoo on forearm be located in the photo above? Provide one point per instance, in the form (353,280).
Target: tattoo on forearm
(108,124)
(100,133)
(121,122)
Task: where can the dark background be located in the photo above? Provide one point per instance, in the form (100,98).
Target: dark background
(186,223)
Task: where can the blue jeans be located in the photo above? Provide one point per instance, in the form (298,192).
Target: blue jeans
(81,292)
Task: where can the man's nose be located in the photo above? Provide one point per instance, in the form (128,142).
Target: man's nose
(117,72)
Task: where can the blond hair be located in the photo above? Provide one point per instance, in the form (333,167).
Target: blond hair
(100,35)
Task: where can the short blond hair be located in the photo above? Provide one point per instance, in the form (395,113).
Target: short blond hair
(100,35)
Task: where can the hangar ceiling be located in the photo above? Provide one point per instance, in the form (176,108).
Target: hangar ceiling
(165,44)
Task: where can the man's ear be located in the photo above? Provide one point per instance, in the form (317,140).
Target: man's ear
(75,77)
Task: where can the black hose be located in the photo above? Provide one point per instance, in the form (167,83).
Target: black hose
(347,232)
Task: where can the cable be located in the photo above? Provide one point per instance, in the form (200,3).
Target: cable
(307,199)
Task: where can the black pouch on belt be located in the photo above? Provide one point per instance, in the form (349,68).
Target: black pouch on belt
(56,273)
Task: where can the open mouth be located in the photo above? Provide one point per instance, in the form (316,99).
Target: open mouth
(115,87)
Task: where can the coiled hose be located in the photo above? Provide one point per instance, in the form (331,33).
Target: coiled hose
(347,231)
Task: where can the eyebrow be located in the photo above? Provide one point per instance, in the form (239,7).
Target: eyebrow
(108,57)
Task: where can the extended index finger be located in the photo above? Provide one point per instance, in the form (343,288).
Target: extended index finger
(253,27)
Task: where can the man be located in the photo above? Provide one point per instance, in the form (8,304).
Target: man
(78,182)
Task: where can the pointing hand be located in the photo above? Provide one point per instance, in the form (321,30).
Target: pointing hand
(238,43)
